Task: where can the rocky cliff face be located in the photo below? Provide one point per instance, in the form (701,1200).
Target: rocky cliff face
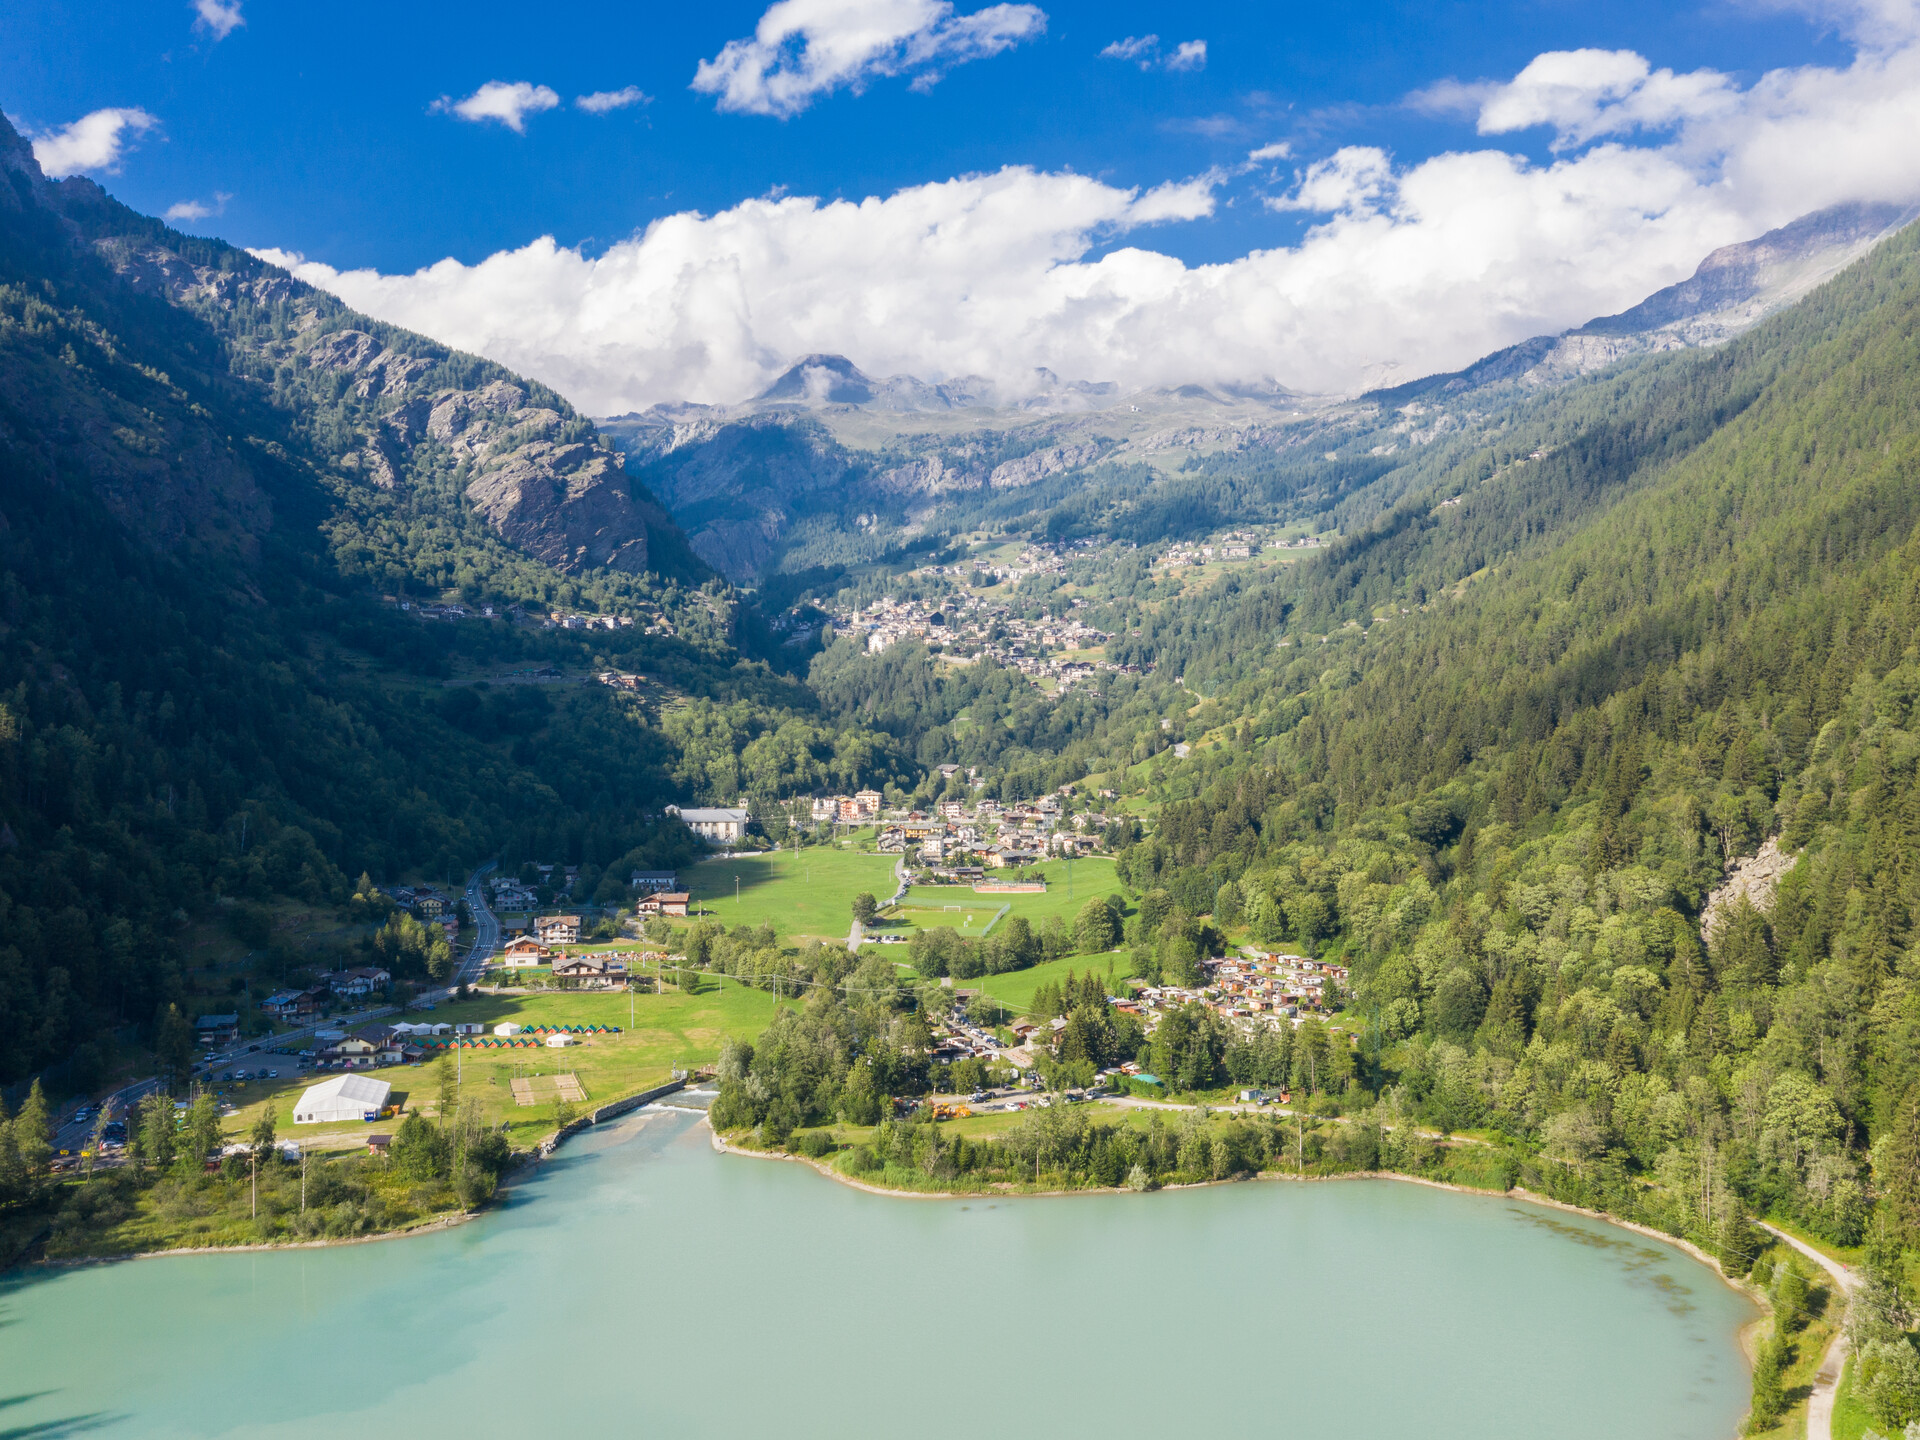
(531,467)
(77,401)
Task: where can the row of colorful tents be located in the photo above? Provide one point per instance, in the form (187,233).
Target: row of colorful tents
(530,1035)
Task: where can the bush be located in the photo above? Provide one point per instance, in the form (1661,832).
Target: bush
(811,1143)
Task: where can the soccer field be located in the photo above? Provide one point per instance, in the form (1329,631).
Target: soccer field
(929,905)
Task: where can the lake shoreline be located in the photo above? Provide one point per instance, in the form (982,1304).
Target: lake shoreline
(1517,1192)
(407,1232)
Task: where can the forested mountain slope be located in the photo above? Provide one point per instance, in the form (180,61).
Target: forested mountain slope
(208,474)
(1500,750)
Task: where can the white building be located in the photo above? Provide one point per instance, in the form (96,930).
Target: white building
(716,827)
(344,1097)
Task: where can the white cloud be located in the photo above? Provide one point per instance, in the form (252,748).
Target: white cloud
(1144,51)
(93,142)
(1422,266)
(199,209)
(222,17)
(1279,150)
(1141,48)
(1586,94)
(802,49)
(1188,55)
(601,101)
(510,104)
(1351,181)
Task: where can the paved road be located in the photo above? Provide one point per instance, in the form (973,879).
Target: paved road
(71,1137)
(1827,1380)
(486,940)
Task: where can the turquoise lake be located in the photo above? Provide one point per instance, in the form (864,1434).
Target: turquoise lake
(641,1284)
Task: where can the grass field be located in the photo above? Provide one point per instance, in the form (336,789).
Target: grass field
(803,896)
(669,1032)
(1015,988)
(1091,877)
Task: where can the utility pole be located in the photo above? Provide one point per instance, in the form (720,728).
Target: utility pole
(256,1186)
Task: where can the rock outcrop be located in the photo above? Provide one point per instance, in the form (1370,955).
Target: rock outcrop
(1753,879)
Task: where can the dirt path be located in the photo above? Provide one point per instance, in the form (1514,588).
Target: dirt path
(1827,1379)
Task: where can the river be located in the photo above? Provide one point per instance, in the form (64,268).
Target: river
(641,1284)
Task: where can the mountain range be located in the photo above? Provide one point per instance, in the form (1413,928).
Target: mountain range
(830,466)
(1591,626)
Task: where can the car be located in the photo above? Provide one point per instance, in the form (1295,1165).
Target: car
(273,1074)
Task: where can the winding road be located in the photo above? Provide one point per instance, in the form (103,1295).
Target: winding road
(1826,1380)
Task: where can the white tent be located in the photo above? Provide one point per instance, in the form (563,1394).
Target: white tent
(560,1041)
(344,1097)
(506,1027)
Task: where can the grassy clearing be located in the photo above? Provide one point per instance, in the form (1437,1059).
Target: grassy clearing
(1015,988)
(671,1031)
(803,896)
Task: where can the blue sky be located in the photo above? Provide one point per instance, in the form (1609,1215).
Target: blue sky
(316,121)
(315,130)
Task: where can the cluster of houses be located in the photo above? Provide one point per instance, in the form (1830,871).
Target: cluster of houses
(1252,988)
(1237,545)
(596,970)
(430,907)
(511,893)
(961,838)
(332,988)
(588,622)
(967,625)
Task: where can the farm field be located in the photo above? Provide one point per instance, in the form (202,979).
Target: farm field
(803,896)
(671,1031)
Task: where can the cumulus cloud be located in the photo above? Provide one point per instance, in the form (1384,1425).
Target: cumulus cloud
(1144,51)
(509,103)
(1404,269)
(602,101)
(93,142)
(802,49)
(1279,150)
(1586,94)
(221,17)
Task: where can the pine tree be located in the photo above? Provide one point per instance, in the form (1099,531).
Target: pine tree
(1769,1399)
(1897,1171)
(33,1133)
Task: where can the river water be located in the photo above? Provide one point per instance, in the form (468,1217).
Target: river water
(641,1284)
